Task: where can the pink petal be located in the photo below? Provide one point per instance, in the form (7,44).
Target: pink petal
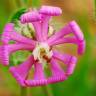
(62,57)
(31,83)
(69,60)
(19,38)
(39,72)
(64,31)
(50,10)
(76,30)
(21,72)
(72,40)
(47,12)
(71,66)
(56,69)
(9,34)
(45,25)
(37,27)
(7,30)
(72,27)
(57,73)
(64,40)
(81,47)
(6,50)
(4,56)
(31,16)
(39,78)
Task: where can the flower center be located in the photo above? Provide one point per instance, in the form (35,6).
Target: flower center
(42,53)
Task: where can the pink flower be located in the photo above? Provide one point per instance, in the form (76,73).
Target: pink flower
(41,48)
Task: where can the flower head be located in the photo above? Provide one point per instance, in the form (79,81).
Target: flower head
(41,47)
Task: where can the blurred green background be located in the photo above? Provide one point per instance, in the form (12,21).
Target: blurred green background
(83,81)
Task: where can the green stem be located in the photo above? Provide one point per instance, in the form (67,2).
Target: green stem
(47,90)
(23,91)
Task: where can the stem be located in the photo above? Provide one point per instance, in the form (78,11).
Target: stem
(23,91)
(47,90)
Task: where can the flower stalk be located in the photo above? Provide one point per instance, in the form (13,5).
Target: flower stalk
(47,90)
(23,91)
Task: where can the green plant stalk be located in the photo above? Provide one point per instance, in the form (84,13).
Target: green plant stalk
(23,91)
(47,90)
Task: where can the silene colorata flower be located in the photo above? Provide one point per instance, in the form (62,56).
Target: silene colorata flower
(38,38)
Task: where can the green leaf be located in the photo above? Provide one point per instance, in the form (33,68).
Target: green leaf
(17,15)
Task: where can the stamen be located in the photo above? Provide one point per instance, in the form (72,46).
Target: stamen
(51,31)
(42,53)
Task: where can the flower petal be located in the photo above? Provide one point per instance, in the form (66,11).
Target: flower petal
(33,17)
(19,38)
(21,72)
(10,34)
(47,12)
(50,10)
(69,60)
(39,78)
(81,47)
(37,27)
(7,30)
(29,17)
(39,74)
(4,56)
(31,83)
(71,66)
(64,40)
(62,57)
(64,31)
(72,27)
(57,73)
(72,40)
(56,69)
(6,50)
(45,25)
